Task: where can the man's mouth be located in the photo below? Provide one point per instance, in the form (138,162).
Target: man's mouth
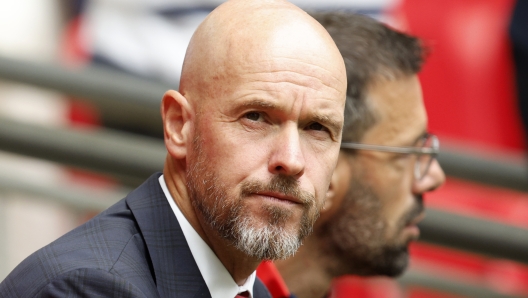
(416,220)
(278,196)
(412,226)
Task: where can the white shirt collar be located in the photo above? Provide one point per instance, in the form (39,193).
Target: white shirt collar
(218,280)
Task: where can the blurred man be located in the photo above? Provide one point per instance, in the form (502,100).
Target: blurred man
(385,166)
(253,136)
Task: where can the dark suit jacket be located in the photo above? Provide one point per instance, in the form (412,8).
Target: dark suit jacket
(135,248)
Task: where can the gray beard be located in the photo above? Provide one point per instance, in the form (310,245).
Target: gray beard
(268,241)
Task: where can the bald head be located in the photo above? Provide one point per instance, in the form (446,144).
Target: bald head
(242,36)
(259,115)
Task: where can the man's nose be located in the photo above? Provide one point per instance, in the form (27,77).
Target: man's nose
(286,155)
(434,178)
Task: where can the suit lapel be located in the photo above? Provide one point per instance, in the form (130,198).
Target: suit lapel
(260,290)
(176,272)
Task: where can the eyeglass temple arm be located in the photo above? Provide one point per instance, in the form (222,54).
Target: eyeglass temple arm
(404,150)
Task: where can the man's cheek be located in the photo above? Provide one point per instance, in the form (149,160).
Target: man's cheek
(324,172)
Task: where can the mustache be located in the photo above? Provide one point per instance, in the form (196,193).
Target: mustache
(282,184)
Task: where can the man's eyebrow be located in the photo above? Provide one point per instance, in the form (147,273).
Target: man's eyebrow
(332,124)
(258,103)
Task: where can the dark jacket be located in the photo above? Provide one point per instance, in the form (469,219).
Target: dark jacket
(135,248)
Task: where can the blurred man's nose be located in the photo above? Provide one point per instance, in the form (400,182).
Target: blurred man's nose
(286,155)
(433,179)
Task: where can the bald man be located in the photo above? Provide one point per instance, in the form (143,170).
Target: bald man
(252,136)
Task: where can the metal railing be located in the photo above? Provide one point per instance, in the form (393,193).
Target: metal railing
(122,98)
(77,197)
(474,234)
(492,169)
(424,279)
(130,158)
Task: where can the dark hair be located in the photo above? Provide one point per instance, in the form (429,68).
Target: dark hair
(371,51)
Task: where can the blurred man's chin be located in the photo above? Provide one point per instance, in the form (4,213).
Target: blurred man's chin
(394,261)
(384,261)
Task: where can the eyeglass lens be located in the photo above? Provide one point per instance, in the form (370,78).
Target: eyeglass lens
(424,161)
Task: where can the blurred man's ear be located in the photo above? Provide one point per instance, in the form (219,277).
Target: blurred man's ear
(330,194)
(338,188)
(176,113)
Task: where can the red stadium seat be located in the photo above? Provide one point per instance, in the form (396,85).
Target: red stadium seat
(468,80)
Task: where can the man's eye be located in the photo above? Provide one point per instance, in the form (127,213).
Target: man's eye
(316,126)
(254,116)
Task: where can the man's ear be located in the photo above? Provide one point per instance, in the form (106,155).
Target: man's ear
(176,113)
(331,193)
(339,184)
(329,206)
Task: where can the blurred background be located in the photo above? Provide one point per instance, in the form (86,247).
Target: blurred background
(81,83)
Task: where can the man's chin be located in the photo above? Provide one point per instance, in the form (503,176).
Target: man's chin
(388,261)
(395,261)
(266,242)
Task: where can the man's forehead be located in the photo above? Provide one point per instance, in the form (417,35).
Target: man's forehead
(293,71)
(284,51)
(277,74)
(399,109)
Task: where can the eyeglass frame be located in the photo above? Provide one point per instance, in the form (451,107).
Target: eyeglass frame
(432,151)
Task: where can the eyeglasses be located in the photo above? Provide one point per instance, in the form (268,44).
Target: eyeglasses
(426,150)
